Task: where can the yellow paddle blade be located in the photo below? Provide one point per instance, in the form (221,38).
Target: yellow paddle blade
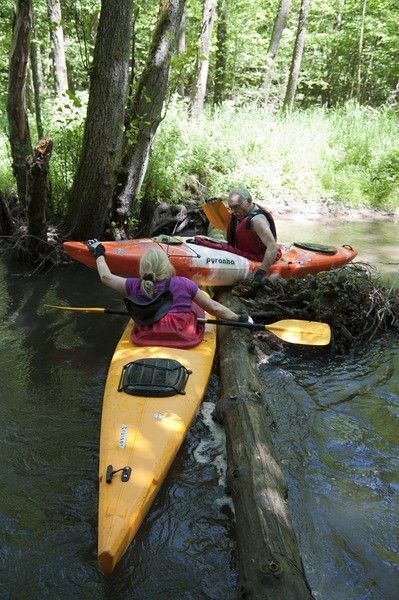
(297,331)
(217,213)
(77,309)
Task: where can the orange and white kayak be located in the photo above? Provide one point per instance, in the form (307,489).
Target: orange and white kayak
(214,267)
(151,397)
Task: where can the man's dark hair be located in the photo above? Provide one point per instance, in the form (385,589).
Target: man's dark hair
(242,193)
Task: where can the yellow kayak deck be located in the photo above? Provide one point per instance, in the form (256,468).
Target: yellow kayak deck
(140,437)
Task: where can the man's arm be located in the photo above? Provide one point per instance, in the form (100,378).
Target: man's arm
(261,227)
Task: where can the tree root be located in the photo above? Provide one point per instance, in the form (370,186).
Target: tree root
(49,253)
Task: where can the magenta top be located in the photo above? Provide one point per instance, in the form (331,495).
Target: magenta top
(183,291)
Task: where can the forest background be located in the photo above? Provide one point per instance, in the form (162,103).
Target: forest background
(151,100)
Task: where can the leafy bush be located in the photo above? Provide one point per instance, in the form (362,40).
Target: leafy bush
(348,154)
(384,180)
(360,164)
(7,181)
(65,125)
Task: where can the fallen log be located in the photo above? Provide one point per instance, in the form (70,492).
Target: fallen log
(269,561)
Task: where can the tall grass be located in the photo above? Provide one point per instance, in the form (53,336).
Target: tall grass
(350,154)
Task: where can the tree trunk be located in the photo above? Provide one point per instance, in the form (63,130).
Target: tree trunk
(181,48)
(147,107)
(269,561)
(360,52)
(36,79)
(7,226)
(94,180)
(278,28)
(202,65)
(221,53)
(58,47)
(19,135)
(38,166)
(132,73)
(297,56)
(331,63)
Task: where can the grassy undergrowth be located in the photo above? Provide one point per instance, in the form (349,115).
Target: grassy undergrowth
(350,154)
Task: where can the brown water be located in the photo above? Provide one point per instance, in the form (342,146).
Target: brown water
(377,241)
(337,438)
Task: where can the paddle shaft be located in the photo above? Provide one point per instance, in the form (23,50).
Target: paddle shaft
(252,326)
(294,331)
(88,309)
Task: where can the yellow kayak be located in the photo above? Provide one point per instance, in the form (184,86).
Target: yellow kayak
(151,397)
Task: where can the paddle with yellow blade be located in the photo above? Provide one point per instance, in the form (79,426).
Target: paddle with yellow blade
(294,331)
(218,214)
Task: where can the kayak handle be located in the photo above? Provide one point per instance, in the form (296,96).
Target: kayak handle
(126,472)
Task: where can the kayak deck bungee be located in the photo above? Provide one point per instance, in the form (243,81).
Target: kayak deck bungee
(150,399)
(213,267)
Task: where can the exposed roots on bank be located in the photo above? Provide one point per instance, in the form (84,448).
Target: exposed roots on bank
(42,254)
(351,299)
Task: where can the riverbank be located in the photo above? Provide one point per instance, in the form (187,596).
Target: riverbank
(325,210)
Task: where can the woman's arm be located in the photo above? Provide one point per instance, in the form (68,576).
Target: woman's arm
(107,278)
(214,308)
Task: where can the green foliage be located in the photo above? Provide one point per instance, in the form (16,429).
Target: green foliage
(331,58)
(384,181)
(7,181)
(65,124)
(182,149)
(350,154)
(6,16)
(363,154)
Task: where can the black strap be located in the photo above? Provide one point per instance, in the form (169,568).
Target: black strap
(147,313)
(257,210)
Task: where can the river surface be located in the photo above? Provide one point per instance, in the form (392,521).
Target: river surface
(336,437)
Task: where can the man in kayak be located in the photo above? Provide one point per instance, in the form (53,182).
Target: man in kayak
(165,307)
(252,231)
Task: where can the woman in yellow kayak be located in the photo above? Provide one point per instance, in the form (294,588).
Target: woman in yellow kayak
(164,306)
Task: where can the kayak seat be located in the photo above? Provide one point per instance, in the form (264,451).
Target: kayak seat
(154,377)
(316,247)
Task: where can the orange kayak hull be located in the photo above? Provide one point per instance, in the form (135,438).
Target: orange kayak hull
(210,267)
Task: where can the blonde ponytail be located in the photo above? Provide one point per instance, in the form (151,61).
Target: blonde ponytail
(154,266)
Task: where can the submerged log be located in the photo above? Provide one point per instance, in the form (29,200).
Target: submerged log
(269,561)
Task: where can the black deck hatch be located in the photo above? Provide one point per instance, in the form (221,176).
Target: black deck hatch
(154,377)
